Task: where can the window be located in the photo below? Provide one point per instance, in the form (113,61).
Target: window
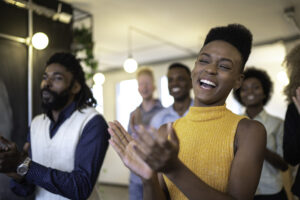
(128,98)
(97,91)
(166,98)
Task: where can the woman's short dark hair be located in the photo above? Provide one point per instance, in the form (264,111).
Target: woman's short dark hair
(264,79)
(235,34)
(85,96)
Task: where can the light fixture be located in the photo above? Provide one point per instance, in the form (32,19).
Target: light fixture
(99,78)
(130,65)
(62,16)
(40,40)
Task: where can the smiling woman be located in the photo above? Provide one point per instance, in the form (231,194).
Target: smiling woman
(217,70)
(202,155)
(254,94)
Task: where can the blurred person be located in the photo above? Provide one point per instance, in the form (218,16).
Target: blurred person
(211,153)
(142,116)
(179,85)
(254,94)
(6,112)
(67,143)
(6,124)
(291,138)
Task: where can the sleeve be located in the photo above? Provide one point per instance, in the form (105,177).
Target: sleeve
(129,121)
(89,156)
(279,138)
(291,137)
(156,120)
(137,120)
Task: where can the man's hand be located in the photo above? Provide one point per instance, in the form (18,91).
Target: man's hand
(3,145)
(11,158)
(125,146)
(296,99)
(159,149)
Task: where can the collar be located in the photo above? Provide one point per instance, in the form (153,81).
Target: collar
(261,116)
(65,113)
(206,113)
(157,104)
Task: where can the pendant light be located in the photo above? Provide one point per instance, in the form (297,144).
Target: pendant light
(40,40)
(130,65)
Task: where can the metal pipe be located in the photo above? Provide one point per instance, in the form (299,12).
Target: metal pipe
(30,52)
(13,38)
(155,37)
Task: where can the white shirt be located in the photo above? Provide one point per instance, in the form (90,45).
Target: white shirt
(271,181)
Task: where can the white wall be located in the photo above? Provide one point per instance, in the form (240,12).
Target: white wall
(267,57)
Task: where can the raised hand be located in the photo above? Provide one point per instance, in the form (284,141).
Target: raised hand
(159,149)
(296,99)
(125,146)
(11,158)
(3,144)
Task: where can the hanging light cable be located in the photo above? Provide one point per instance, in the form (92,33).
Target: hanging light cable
(130,65)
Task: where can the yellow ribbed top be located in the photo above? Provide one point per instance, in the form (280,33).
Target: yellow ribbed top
(206,136)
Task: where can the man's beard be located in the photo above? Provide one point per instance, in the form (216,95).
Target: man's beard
(56,101)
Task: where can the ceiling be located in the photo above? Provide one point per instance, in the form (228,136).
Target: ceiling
(170,29)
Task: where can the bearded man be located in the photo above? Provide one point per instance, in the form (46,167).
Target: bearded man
(67,143)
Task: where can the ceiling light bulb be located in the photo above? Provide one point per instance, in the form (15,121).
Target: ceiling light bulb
(130,65)
(40,40)
(99,78)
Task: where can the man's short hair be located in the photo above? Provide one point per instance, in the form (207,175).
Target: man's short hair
(180,65)
(145,71)
(70,62)
(263,78)
(235,34)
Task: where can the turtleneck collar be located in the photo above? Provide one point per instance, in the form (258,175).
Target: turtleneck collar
(206,113)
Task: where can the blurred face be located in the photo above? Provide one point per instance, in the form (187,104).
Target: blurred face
(57,87)
(179,83)
(145,86)
(217,70)
(252,93)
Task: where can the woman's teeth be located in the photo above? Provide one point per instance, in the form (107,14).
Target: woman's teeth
(175,89)
(250,97)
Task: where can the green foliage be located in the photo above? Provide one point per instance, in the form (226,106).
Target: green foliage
(83,42)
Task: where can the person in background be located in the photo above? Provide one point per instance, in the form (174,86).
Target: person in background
(179,84)
(142,116)
(211,153)
(6,124)
(6,112)
(67,143)
(254,94)
(291,138)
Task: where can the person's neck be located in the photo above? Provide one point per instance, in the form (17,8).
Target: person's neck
(182,106)
(252,111)
(56,113)
(148,104)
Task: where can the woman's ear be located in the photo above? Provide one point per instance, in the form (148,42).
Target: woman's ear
(76,87)
(239,81)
